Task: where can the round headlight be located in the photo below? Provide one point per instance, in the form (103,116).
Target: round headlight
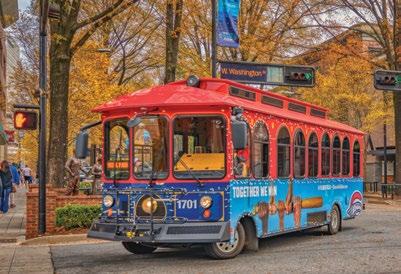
(108,201)
(147,205)
(206,202)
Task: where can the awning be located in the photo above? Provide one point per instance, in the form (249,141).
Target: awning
(380,152)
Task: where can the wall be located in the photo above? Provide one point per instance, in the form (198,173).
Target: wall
(55,198)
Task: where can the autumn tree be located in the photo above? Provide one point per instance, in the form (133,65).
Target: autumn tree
(174,10)
(75,26)
(382,23)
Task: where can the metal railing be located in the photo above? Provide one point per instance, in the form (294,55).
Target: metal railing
(386,190)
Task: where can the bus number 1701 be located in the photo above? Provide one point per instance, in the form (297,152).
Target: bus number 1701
(187,204)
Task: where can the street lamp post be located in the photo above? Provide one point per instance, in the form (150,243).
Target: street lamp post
(44,10)
(214,39)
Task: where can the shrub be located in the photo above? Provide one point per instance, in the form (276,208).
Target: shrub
(76,216)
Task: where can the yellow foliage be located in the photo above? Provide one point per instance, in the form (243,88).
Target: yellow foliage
(344,86)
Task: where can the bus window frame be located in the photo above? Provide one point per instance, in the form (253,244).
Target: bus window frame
(290,171)
(294,146)
(349,157)
(106,145)
(321,147)
(171,154)
(339,174)
(356,141)
(252,147)
(314,149)
(167,120)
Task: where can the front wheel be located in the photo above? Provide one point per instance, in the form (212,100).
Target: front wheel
(228,250)
(335,221)
(136,248)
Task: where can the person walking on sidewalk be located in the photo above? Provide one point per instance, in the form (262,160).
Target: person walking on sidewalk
(27,174)
(1,196)
(16,182)
(7,179)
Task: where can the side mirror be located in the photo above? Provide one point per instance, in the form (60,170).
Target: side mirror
(81,145)
(239,134)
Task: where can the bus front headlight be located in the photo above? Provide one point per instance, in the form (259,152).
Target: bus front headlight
(147,205)
(108,201)
(206,202)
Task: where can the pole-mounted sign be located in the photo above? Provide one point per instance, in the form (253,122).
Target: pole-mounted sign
(268,74)
(388,80)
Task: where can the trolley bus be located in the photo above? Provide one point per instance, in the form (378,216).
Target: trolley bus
(216,163)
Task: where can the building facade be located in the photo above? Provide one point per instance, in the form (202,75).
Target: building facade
(8,16)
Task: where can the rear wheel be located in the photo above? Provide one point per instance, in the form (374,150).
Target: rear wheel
(335,221)
(228,250)
(136,248)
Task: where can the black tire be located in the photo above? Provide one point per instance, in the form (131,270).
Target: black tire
(136,248)
(217,250)
(335,221)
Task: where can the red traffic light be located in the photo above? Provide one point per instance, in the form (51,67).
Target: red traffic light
(25,120)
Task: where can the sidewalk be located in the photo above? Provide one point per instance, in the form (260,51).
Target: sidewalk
(23,259)
(12,224)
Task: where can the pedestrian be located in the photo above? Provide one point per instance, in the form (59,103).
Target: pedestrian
(73,166)
(1,196)
(27,174)
(16,182)
(97,174)
(7,179)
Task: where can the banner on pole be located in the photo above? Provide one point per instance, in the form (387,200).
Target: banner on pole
(227,23)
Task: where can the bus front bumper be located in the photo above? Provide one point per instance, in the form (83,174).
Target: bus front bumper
(199,232)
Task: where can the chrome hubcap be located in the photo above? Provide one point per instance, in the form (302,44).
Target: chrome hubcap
(228,247)
(334,219)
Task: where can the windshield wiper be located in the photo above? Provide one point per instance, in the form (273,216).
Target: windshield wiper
(190,172)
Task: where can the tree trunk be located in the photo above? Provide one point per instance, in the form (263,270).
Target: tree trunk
(173,30)
(60,61)
(397,95)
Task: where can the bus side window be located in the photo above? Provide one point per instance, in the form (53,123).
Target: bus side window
(346,157)
(336,156)
(325,155)
(242,160)
(299,155)
(357,159)
(283,153)
(260,152)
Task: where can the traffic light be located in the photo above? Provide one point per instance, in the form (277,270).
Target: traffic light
(299,76)
(25,120)
(387,80)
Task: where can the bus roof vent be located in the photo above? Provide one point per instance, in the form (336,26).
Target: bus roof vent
(297,108)
(317,113)
(242,93)
(268,100)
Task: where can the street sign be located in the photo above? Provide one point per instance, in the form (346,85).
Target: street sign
(268,74)
(25,120)
(388,80)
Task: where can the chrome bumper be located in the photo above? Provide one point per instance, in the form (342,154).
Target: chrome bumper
(199,232)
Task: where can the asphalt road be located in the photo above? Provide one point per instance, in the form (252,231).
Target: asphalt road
(369,244)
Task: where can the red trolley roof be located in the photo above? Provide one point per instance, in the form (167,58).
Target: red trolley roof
(219,92)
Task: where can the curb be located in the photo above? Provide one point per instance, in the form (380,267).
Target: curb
(70,239)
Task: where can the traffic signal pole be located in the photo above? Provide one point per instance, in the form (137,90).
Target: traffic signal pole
(44,10)
(214,39)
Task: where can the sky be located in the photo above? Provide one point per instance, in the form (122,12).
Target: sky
(23,4)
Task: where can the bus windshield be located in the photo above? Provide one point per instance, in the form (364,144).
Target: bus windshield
(150,156)
(117,149)
(199,147)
